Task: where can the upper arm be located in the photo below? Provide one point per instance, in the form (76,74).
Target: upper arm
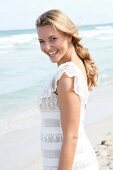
(69,105)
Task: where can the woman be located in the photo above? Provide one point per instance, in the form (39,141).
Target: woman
(64,143)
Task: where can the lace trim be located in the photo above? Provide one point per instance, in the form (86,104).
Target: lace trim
(52,138)
(49,104)
(56,153)
(69,70)
(58,138)
(51,123)
(80,86)
(77,166)
(52,154)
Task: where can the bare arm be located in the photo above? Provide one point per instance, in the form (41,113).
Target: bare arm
(69,104)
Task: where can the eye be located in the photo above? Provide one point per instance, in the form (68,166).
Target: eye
(53,39)
(41,41)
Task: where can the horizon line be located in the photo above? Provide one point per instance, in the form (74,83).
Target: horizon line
(23,29)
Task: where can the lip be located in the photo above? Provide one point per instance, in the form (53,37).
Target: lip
(52,54)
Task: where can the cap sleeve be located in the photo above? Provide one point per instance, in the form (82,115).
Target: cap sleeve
(80,86)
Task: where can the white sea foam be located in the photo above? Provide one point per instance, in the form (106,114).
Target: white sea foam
(21,120)
(106,38)
(10,41)
(107,27)
(93,33)
(16,40)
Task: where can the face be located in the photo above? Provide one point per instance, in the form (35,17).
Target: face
(53,43)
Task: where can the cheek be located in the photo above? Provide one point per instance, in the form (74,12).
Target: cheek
(64,47)
(42,47)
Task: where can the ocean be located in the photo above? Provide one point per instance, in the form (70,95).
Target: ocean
(24,70)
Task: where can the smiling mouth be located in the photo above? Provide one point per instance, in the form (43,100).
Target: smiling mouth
(52,54)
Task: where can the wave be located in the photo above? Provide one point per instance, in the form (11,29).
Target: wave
(104,27)
(106,38)
(10,42)
(22,38)
(93,33)
(18,121)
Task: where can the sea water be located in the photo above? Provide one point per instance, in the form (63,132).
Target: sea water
(24,70)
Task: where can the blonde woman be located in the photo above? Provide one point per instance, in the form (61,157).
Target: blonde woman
(64,143)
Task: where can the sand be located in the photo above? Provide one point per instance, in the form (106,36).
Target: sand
(20,149)
(101,137)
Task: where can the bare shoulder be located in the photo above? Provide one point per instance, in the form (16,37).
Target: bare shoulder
(65,84)
(65,89)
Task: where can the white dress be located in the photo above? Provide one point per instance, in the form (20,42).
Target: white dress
(51,136)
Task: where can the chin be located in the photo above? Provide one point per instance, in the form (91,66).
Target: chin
(55,60)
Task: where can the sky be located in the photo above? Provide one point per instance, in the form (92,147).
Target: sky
(21,14)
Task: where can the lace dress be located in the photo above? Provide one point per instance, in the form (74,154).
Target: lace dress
(51,135)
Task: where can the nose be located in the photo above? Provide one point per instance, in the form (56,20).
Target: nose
(47,46)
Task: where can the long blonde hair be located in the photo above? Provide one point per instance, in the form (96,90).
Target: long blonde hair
(61,22)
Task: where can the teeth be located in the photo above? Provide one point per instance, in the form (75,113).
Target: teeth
(52,53)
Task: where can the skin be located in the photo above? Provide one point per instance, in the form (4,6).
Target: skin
(52,40)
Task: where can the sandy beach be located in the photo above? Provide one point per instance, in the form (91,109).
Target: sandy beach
(100,133)
(101,137)
(20,149)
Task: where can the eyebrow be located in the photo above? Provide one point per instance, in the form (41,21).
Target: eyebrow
(49,37)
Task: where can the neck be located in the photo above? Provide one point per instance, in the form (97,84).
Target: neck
(69,56)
